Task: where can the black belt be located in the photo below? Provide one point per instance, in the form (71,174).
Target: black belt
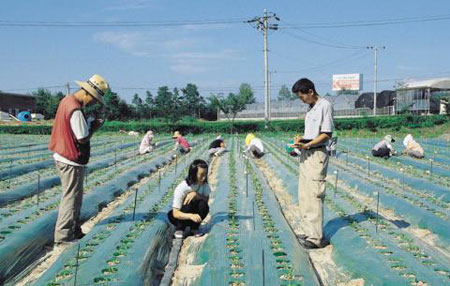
(316,147)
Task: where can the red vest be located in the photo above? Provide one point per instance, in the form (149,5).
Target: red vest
(63,140)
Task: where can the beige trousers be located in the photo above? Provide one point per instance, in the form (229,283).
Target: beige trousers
(68,222)
(311,191)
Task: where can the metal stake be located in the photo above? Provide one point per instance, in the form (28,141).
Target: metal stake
(38,188)
(159,180)
(336,173)
(76,266)
(403,178)
(368,166)
(378,204)
(246,184)
(115,159)
(10,172)
(135,199)
(254,227)
(348,151)
(431,166)
(176,163)
(263,269)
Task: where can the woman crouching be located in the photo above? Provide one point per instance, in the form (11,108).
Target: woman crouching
(190,200)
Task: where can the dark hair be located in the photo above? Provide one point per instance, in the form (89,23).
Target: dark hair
(191,179)
(303,85)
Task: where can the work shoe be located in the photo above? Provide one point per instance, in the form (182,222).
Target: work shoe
(198,233)
(59,246)
(301,236)
(178,234)
(307,244)
(79,235)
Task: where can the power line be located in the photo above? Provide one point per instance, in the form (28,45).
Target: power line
(33,88)
(353,56)
(329,45)
(362,23)
(66,24)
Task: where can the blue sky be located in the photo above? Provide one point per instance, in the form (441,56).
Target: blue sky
(217,57)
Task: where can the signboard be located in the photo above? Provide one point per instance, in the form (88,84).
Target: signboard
(347,82)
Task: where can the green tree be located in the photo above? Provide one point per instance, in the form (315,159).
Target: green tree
(46,102)
(192,100)
(230,105)
(149,104)
(139,107)
(285,94)
(112,106)
(167,104)
(246,93)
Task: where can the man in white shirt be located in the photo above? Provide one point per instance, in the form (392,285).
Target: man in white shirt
(313,161)
(70,143)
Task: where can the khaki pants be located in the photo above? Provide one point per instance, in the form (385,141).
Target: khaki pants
(68,222)
(311,191)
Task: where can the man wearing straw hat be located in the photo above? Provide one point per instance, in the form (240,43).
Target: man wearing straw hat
(70,143)
(181,144)
(313,162)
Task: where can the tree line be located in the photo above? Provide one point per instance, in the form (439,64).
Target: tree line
(167,104)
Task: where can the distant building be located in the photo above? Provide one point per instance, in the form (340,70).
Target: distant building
(385,102)
(422,97)
(14,103)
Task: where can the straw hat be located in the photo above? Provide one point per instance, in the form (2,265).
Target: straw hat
(95,86)
(176,134)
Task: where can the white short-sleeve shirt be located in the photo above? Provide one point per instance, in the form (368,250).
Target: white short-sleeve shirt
(80,129)
(257,143)
(382,144)
(319,119)
(183,189)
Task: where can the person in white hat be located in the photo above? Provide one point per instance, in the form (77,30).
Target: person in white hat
(147,143)
(69,141)
(384,148)
(217,147)
(412,148)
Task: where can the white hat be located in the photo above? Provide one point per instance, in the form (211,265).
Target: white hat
(95,86)
(408,139)
(219,138)
(389,138)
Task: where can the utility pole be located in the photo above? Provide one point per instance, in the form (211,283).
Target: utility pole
(270,93)
(67,89)
(263,24)
(375,49)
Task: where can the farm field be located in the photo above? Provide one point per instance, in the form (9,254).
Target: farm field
(387,221)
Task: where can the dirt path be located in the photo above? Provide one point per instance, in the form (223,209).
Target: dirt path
(187,272)
(330,273)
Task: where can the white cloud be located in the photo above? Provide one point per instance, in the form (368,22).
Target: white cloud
(129,42)
(183,55)
(201,62)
